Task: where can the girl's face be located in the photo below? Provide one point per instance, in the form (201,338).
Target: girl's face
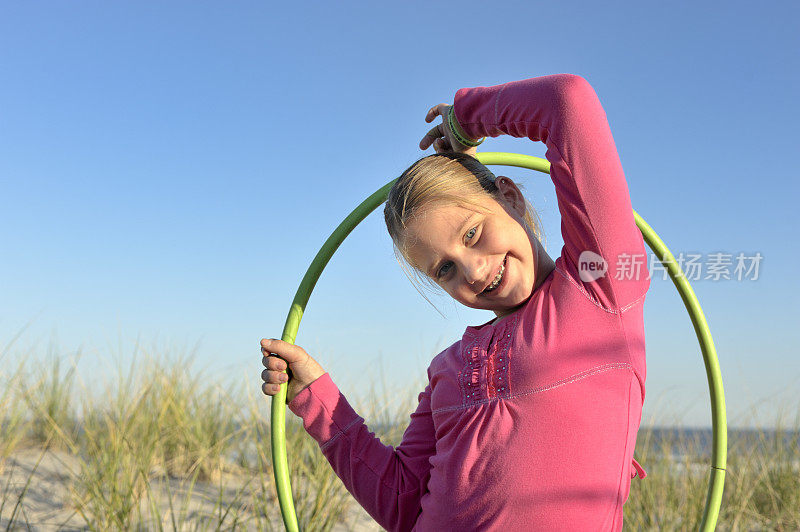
(484,260)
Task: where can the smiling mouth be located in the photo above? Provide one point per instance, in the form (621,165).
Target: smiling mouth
(497,278)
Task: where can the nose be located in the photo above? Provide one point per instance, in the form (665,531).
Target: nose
(474,268)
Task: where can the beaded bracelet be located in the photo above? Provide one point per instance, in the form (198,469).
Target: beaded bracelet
(452,122)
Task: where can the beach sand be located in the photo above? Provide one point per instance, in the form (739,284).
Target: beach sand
(45,483)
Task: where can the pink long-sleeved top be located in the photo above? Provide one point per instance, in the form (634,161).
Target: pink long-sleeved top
(529,423)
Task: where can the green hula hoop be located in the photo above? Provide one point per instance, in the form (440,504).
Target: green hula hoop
(718,420)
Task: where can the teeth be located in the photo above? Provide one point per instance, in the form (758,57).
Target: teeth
(498,278)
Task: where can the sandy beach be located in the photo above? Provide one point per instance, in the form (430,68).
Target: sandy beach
(38,491)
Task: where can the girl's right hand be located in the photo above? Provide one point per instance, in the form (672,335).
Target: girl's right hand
(279,356)
(440,136)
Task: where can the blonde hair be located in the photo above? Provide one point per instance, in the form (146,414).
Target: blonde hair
(447,178)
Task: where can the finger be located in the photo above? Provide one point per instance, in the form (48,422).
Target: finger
(442,145)
(436,110)
(273,362)
(430,137)
(274,377)
(289,352)
(270,389)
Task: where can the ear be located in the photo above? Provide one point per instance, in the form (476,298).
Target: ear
(511,194)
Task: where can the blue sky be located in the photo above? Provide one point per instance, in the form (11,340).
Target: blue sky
(169,170)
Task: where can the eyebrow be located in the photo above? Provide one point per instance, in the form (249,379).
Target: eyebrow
(467,221)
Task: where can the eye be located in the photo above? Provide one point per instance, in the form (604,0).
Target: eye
(445,268)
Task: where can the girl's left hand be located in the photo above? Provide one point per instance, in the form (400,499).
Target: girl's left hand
(440,135)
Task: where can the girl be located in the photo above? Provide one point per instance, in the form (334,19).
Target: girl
(529,421)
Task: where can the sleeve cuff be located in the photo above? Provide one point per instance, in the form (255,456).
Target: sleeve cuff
(475,112)
(324,410)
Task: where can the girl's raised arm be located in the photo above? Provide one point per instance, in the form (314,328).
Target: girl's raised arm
(597,223)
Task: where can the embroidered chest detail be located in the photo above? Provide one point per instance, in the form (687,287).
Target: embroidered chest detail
(485,375)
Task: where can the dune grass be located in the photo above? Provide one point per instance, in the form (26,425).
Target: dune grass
(162,445)
(159,445)
(762,487)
